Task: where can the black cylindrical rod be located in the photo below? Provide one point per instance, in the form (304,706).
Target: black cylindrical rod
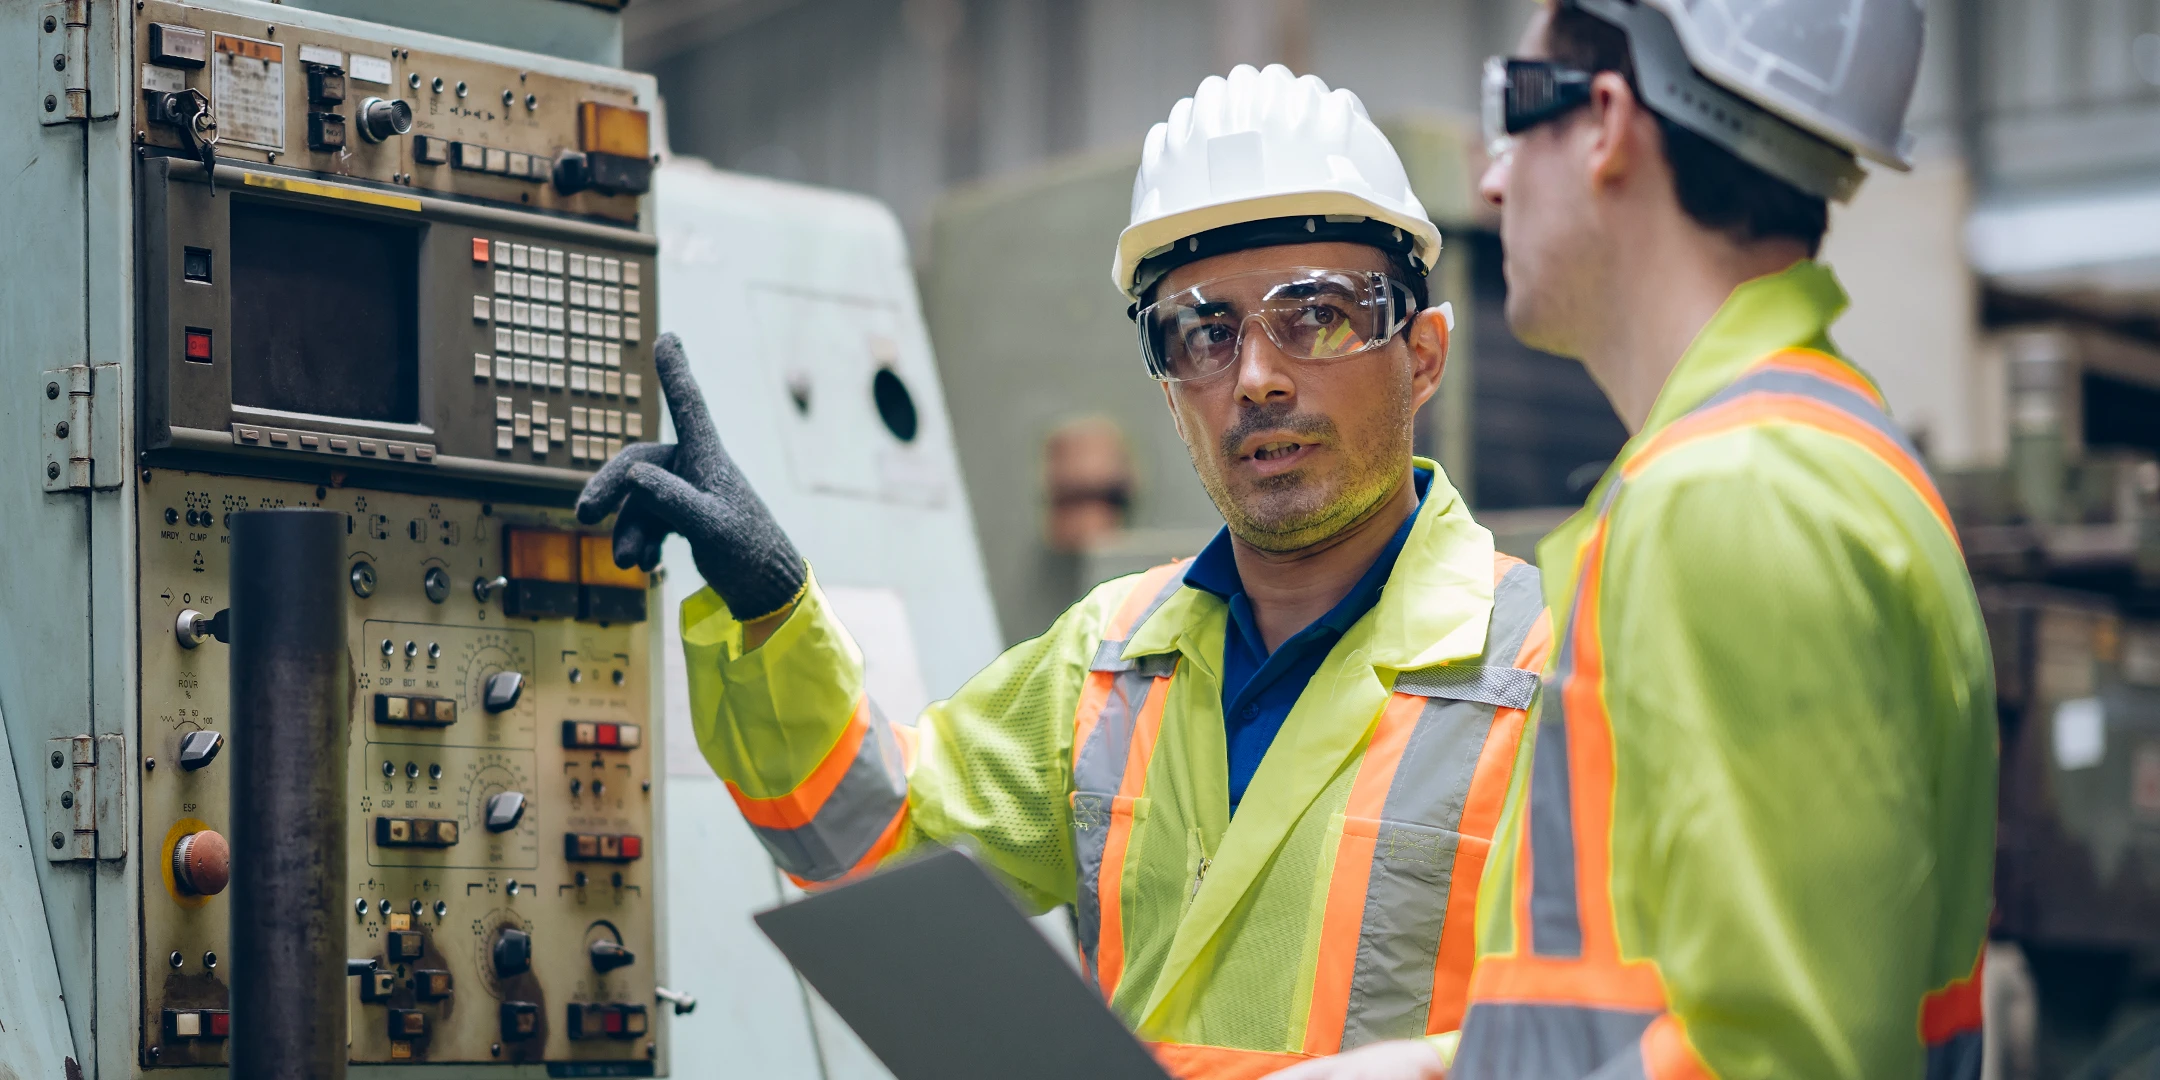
(292,683)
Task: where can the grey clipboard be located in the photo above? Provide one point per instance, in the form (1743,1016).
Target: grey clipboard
(943,977)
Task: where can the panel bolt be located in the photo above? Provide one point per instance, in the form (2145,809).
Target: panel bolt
(52,389)
(57,760)
(52,104)
(58,841)
(51,24)
(52,470)
(67,800)
(59,62)
(60,430)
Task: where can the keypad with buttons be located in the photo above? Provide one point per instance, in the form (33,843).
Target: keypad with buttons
(559,322)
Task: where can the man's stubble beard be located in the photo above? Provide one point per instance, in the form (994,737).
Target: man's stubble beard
(1298,510)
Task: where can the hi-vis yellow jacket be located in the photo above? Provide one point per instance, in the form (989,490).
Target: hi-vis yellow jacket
(1088,767)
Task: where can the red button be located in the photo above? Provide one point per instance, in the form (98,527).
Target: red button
(610,735)
(220,1023)
(611,1022)
(479,249)
(198,346)
(632,847)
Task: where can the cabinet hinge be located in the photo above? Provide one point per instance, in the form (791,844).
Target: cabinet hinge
(77,61)
(79,410)
(86,798)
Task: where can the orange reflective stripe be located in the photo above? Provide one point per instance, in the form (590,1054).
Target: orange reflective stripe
(1093,694)
(796,808)
(1344,916)
(1539,980)
(1110,951)
(1590,761)
(1136,602)
(1824,366)
(1667,1055)
(1190,1062)
(886,842)
(1954,1009)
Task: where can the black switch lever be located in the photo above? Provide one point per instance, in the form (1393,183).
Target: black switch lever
(504,810)
(200,748)
(609,955)
(503,690)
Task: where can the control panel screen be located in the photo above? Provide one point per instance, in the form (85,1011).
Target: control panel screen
(325,314)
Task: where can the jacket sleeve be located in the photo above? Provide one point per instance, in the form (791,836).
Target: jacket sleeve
(1804,769)
(833,788)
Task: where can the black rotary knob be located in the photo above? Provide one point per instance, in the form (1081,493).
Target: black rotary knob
(609,955)
(380,119)
(512,952)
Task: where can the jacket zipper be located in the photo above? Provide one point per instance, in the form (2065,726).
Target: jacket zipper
(1199,876)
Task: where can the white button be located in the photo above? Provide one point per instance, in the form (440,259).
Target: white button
(540,445)
(633,384)
(555,318)
(502,310)
(539,413)
(504,438)
(187,1024)
(577,321)
(614,355)
(520,342)
(555,376)
(555,290)
(521,371)
(614,328)
(611,421)
(630,271)
(577,447)
(501,251)
(577,350)
(577,265)
(503,408)
(577,377)
(482,364)
(520,257)
(577,417)
(503,367)
(520,285)
(633,425)
(521,424)
(611,299)
(555,346)
(630,328)
(502,339)
(577,293)
(481,308)
(611,270)
(554,261)
(630,300)
(614,383)
(614,447)
(502,281)
(555,430)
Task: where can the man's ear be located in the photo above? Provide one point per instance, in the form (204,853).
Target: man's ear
(1432,331)
(1615,129)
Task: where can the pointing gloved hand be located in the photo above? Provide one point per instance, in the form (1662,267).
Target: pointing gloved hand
(694,488)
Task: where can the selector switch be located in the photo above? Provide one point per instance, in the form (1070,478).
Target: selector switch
(379,119)
(512,952)
(503,690)
(504,810)
(200,748)
(609,955)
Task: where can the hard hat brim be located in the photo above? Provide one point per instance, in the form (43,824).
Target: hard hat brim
(1145,238)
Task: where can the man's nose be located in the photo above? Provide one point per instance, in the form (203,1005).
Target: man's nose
(1263,371)
(1492,186)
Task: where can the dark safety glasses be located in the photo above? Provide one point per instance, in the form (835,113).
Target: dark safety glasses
(1309,313)
(1521,94)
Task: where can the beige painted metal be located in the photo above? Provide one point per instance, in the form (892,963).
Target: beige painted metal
(573,671)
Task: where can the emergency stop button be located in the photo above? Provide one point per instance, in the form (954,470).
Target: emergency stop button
(202,864)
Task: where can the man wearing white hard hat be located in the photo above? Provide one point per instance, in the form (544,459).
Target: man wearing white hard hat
(1757,825)
(1266,777)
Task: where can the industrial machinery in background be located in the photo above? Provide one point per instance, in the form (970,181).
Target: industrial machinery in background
(2064,546)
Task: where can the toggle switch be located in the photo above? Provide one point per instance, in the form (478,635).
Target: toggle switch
(200,748)
(503,690)
(609,955)
(504,810)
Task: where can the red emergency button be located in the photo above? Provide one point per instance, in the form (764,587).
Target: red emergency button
(479,249)
(198,345)
(220,1023)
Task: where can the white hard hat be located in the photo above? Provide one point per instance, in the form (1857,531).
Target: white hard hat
(1262,147)
(1835,77)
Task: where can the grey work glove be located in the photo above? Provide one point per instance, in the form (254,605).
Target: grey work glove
(692,487)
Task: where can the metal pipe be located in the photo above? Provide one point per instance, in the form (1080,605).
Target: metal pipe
(292,685)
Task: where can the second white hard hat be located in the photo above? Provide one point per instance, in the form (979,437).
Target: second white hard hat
(1264,146)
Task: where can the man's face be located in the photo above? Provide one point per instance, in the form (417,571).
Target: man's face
(1546,225)
(1293,451)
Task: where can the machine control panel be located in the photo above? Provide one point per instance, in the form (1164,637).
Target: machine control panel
(499,781)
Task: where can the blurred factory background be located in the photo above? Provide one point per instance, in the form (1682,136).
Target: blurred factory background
(2006,294)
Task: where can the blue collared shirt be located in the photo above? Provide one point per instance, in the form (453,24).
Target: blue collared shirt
(1259,687)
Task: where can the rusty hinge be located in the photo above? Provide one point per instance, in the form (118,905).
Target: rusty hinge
(79,413)
(86,798)
(77,61)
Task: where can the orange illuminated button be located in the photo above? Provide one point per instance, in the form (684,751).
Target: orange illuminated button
(594,847)
(612,129)
(543,555)
(479,249)
(596,565)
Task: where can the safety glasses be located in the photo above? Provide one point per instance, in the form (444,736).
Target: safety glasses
(1521,94)
(1309,313)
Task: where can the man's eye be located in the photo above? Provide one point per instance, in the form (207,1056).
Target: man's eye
(1209,334)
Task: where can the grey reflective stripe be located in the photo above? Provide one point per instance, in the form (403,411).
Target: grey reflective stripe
(1957,1058)
(1787,381)
(1412,877)
(1509,1040)
(1098,773)
(1107,653)
(1504,687)
(854,815)
(1107,659)
(1555,924)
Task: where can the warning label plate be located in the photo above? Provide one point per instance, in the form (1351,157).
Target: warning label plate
(247,90)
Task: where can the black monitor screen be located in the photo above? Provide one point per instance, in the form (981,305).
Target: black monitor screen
(325,314)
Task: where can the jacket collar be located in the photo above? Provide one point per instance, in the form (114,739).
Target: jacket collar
(1433,609)
(1793,307)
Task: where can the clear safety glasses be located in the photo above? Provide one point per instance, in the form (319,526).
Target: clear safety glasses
(1521,94)
(1309,313)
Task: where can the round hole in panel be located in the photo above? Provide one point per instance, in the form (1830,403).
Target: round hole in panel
(895,405)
